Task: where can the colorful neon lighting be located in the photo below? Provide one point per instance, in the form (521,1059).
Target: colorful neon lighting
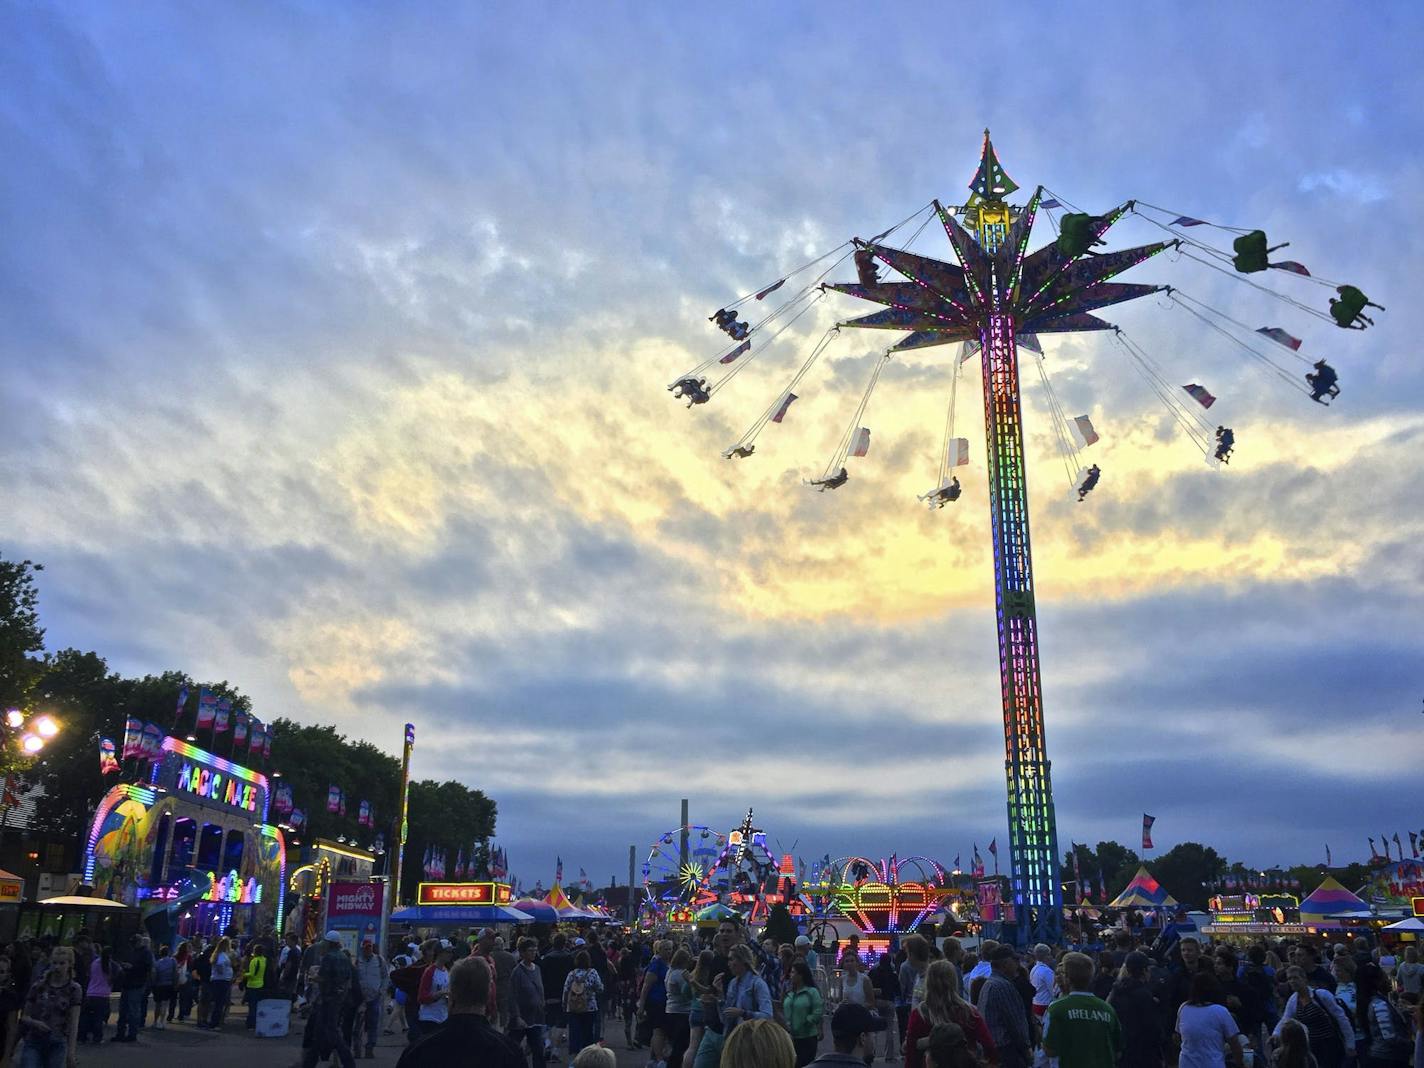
(221,764)
(115,797)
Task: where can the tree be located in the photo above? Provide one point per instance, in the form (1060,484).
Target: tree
(1186,869)
(21,643)
(315,758)
(449,817)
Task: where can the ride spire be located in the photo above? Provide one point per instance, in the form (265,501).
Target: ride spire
(990,182)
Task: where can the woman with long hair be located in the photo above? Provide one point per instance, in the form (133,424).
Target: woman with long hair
(1206,1029)
(678,1012)
(704,1000)
(802,1010)
(943,1004)
(1383,1029)
(1293,1050)
(49,1022)
(1327,1028)
(220,982)
(758,1043)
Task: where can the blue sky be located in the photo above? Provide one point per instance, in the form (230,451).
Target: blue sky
(335,342)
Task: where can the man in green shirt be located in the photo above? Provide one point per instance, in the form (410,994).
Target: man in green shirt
(1080,1030)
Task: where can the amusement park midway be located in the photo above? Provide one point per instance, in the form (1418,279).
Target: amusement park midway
(681,536)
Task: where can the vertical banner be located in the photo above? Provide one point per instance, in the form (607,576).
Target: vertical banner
(1147,822)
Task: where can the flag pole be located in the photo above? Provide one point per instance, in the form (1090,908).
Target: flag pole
(394,880)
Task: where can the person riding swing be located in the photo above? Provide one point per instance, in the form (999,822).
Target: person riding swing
(1323,383)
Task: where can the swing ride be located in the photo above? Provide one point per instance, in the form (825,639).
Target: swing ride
(996,299)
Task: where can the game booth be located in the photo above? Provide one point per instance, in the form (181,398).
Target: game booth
(465,905)
(189,846)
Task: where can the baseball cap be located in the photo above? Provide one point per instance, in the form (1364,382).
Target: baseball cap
(802,940)
(485,932)
(332,936)
(580,942)
(852,1021)
(445,943)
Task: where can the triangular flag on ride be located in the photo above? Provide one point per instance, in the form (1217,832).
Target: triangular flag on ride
(1083,426)
(781,410)
(1030,342)
(1049,203)
(1293,267)
(1280,337)
(860,442)
(770,289)
(743,347)
(971,348)
(1187,220)
(958,452)
(878,237)
(1200,395)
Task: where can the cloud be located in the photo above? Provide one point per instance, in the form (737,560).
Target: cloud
(335,356)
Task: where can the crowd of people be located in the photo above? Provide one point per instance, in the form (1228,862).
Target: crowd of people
(725,999)
(937,1004)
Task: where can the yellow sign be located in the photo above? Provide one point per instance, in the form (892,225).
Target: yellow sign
(11,890)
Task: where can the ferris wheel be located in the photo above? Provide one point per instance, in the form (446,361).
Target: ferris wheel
(670,880)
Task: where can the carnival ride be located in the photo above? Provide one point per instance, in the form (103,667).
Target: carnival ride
(882,899)
(996,299)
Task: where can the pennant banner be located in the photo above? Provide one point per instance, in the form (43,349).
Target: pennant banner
(207,708)
(1280,337)
(333,798)
(1083,427)
(224,713)
(958,452)
(860,442)
(152,744)
(239,728)
(1187,220)
(1200,395)
(133,738)
(744,347)
(1293,267)
(182,700)
(1049,203)
(770,289)
(282,799)
(108,761)
(1147,822)
(781,411)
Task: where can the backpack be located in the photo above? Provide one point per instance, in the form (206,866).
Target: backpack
(577,1001)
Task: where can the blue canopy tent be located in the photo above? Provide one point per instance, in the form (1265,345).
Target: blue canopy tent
(462,914)
(538,911)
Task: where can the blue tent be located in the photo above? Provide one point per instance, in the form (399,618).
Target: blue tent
(468,914)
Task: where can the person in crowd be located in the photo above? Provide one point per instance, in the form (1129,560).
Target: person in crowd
(803,1010)
(911,978)
(372,976)
(677,1010)
(254,982)
(407,981)
(944,1004)
(853,1031)
(555,966)
(434,995)
(758,1044)
(803,951)
(596,1057)
(947,1046)
(11,1001)
(527,1001)
(1342,969)
(1409,974)
(580,1002)
(181,979)
(221,975)
(1144,1042)
(1003,1009)
(1330,1032)
(1305,957)
(335,978)
(49,1021)
(1240,999)
(133,990)
(1383,1031)
(746,995)
(1206,1030)
(467,1036)
(1080,1030)
(856,987)
(982,969)
(105,976)
(887,990)
(192,997)
(1043,978)
(504,963)
(652,1002)
(1293,1047)
(165,987)
(289,967)
(704,1003)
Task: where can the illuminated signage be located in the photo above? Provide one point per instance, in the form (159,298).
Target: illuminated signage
(1418,906)
(10,890)
(463,894)
(215,786)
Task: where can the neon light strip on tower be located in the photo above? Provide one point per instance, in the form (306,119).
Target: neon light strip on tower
(115,797)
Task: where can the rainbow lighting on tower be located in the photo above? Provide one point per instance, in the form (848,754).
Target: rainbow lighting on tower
(997,293)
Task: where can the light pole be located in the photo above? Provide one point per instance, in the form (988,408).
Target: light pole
(394,881)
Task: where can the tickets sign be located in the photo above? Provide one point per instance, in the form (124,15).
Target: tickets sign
(463,894)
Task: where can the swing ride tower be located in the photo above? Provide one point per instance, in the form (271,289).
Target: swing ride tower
(995,296)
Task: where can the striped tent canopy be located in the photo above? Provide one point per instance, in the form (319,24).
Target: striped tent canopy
(1329,899)
(566,909)
(1144,892)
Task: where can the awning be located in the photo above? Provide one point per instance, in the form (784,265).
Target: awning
(470,914)
(12,888)
(83,902)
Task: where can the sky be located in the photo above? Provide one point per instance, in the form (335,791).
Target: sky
(335,348)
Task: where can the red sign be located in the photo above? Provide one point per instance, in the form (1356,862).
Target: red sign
(354,900)
(1418,906)
(463,894)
